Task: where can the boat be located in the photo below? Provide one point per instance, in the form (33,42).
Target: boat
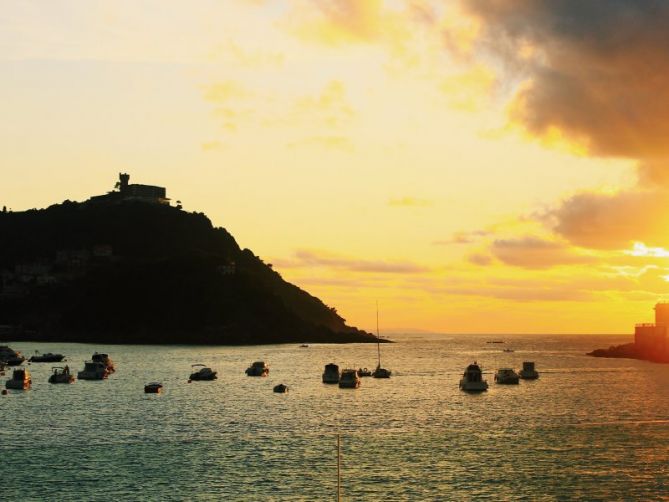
(304,346)
(506,376)
(10,357)
(93,370)
(495,341)
(472,379)
(281,389)
(331,373)
(349,379)
(258,368)
(379,372)
(61,375)
(528,372)
(153,388)
(364,372)
(46,358)
(20,380)
(202,373)
(104,359)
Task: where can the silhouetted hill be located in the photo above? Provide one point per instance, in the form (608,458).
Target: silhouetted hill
(136,272)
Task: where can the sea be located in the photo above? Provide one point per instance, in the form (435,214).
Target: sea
(587,429)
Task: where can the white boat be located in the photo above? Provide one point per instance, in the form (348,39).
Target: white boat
(331,373)
(61,375)
(202,373)
(104,359)
(506,376)
(472,379)
(258,368)
(528,372)
(93,370)
(349,379)
(10,357)
(20,380)
(379,372)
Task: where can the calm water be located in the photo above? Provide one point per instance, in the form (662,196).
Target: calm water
(589,428)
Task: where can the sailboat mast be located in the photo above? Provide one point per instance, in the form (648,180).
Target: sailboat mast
(378,340)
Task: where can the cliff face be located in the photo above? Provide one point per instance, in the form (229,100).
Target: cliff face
(132,272)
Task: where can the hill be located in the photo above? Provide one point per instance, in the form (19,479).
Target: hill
(129,271)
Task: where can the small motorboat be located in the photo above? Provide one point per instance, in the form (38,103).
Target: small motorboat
(281,389)
(93,370)
(472,379)
(508,350)
(104,359)
(20,380)
(258,368)
(506,376)
(528,372)
(202,373)
(10,357)
(46,358)
(331,373)
(61,375)
(304,346)
(349,379)
(364,372)
(153,388)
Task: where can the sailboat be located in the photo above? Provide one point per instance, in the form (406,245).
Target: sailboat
(379,372)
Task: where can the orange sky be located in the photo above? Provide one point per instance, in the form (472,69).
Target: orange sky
(474,166)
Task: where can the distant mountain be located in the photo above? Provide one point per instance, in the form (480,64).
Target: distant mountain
(123,270)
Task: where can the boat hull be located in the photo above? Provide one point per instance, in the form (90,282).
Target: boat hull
(18,384)
(473,386)
(53,358)
(61,379)
(84,375)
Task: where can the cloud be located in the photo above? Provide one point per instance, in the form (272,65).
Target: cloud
(595,73)
(598,73)
(463,237)
(330,107)
(532,252)
(306,258)
(338,21)
(479,259)
(409,202)
(612,221)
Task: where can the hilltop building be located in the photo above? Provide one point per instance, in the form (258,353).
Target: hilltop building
(651,338)
(124,191)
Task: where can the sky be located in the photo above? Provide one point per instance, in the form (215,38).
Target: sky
(475,166)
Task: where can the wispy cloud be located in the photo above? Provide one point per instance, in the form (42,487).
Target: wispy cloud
(307,258)
(409,202)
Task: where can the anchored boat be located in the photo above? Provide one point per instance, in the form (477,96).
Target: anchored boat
(20,380)
(528,372)
(202,373)
(93,370)
(61,375)
(258,368)
(349,379)
(331,373)
(506,376)
(472,379)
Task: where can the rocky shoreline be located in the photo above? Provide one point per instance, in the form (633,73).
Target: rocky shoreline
(628,351)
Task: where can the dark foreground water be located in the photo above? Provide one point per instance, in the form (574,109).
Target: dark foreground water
(595,429)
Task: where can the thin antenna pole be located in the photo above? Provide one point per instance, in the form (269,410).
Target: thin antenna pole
(338,467)
(378,339)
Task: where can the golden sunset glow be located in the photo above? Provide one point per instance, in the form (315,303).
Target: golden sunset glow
(429,155)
